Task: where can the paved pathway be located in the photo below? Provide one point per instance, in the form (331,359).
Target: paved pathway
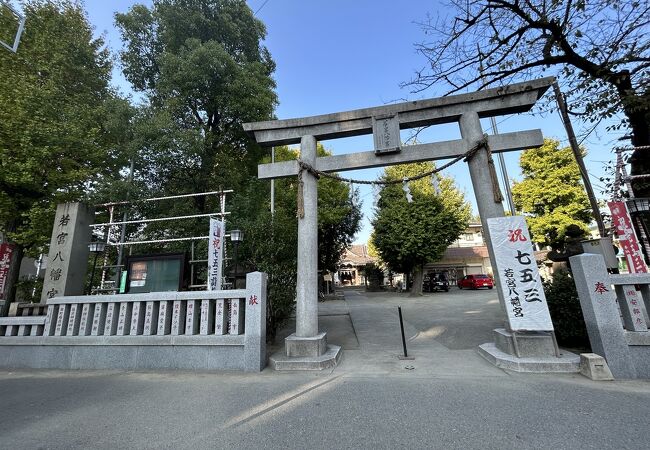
(442,330)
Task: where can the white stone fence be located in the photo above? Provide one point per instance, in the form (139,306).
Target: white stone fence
(615,309)
(160,330)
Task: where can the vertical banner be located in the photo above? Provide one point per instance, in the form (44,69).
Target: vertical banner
(518,275)
(627,237)
(6,252)
(215,254)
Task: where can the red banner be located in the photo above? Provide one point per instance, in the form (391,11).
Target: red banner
(627,238)
(6,251)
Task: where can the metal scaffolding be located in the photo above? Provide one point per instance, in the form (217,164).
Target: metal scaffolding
(113,233)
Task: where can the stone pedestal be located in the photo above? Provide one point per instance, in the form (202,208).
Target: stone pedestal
(536,353)
(306,346)
(306,353)
(530,344)
(595,367)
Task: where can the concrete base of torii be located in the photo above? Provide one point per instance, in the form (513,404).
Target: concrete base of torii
(306,353)
(536,353)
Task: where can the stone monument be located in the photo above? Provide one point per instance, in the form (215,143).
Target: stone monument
(66,263)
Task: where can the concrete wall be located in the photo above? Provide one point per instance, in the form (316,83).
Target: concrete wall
(135,331)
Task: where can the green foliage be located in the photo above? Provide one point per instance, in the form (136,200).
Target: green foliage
(339,210)
(60,124)
(28,289)
(339,219)
(270,246)
(271,241)
(8,26)
(407,235)
(565,309)
(204,72)
(551,193)
(374,276)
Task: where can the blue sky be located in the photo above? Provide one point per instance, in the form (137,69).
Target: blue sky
(337,55)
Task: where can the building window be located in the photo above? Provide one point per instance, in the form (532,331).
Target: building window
(469,237)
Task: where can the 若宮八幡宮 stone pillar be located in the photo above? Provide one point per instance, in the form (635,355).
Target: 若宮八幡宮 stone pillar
(68,256)
(307,282)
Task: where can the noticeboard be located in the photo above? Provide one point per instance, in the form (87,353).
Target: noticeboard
(155,273)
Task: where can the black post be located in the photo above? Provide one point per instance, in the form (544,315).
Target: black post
(401,325)
(235,269)
(92,275)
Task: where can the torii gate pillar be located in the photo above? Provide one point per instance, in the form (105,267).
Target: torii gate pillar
(307,282)
(307,348)
(471,131)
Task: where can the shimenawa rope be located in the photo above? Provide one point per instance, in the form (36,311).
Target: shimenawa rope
(483,143)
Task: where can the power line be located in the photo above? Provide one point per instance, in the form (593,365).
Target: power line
(260,8)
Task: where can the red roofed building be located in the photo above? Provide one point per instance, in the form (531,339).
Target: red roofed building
(350,271)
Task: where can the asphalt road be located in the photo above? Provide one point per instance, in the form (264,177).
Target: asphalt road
(325,411)
(448,397)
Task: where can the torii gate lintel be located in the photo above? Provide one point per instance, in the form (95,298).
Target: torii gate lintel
(433,151)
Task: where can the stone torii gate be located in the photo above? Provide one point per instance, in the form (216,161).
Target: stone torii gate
(307,348)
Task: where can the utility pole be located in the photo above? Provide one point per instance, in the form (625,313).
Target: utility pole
(504,172)
(120,250)
(502,160)
(573,142)
(272,184)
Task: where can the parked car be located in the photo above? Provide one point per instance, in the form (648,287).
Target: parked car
(435,281)
(475,281)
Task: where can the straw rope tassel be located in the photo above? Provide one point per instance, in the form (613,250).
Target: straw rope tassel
(496,189)
(300,212)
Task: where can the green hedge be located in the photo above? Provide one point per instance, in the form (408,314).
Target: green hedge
(564,305)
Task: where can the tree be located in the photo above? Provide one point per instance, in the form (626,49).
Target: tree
(409,234)
(339,219)
(272,240)
(551,193)
(270,245)
(60,124)
(204,73)
(600,50)
(339,211)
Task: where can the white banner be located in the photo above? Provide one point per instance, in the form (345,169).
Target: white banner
(518,275)
(215,254)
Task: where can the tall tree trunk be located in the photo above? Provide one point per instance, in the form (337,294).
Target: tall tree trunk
(418,275)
